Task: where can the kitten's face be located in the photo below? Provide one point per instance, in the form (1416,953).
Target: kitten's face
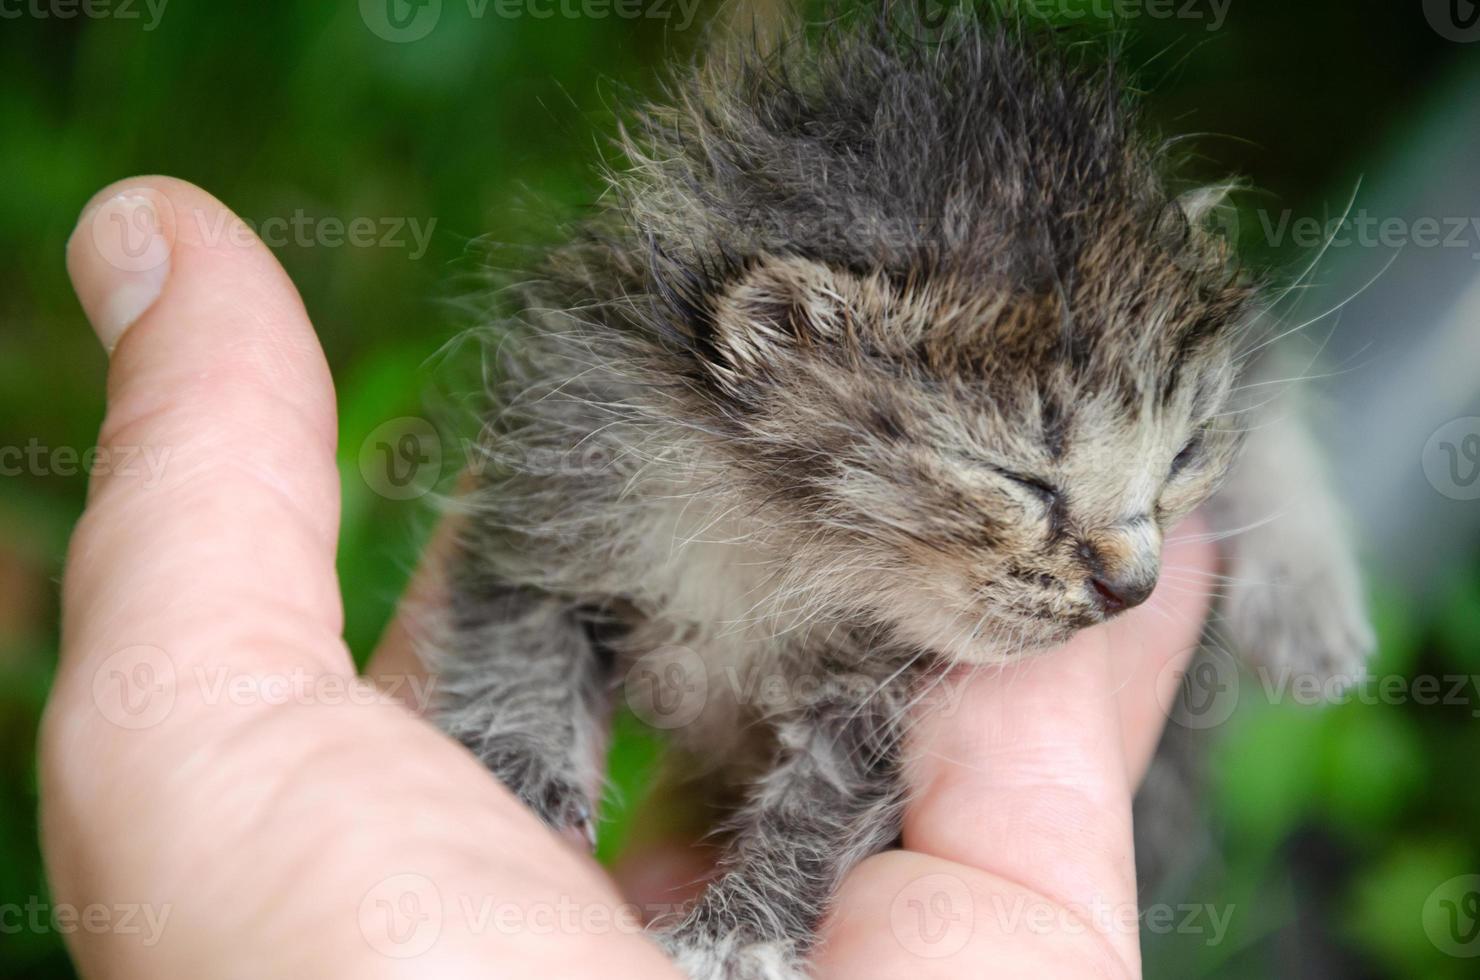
(963,464)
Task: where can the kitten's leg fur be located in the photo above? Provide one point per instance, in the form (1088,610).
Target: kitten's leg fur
(834,796)
(523,683)
(1294,600)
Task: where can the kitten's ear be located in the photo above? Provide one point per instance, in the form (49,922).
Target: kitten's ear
(1200,227)
(780,306)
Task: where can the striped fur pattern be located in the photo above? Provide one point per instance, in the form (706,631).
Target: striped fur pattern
(884,348)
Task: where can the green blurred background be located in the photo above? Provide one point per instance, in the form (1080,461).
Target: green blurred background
(1335,827)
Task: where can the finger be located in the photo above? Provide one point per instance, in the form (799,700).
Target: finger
(1027,782)
(220,399)
(1158,643)
(927,916)
(902,913)
(397,666)
(1030,778)
(271,831)
(662,876)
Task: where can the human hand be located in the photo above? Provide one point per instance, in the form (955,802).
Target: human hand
(338,834)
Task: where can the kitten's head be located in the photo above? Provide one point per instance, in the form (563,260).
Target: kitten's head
(984,467)
(936,301)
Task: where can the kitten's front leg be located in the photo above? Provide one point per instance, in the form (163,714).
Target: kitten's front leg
(522,682)
(834,797)
(1294,601)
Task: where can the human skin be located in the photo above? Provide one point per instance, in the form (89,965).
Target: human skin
(274,831)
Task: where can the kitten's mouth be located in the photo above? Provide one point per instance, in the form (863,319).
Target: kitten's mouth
(1068,622)
(1083,620)
(1037,628)
(1000,632)
(1041,628)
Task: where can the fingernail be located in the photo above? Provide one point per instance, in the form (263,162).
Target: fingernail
(119,258)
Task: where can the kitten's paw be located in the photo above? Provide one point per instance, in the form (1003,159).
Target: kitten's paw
(732,958)
(548,786)
(1301,615)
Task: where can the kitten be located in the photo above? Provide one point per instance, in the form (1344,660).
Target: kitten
(886,351)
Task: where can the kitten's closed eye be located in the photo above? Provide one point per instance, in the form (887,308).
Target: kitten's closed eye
(1044,491)
(1187,456)
(1055,507)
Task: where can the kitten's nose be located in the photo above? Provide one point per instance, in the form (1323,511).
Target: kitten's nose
(1121,564)
(1116,595)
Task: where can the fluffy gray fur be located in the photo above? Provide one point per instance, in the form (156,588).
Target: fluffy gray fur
(886,351)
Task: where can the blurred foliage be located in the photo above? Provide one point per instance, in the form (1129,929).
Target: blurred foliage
(491,127)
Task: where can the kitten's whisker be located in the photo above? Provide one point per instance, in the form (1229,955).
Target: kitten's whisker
(1214,536)
(1316,319)
(1308,272)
